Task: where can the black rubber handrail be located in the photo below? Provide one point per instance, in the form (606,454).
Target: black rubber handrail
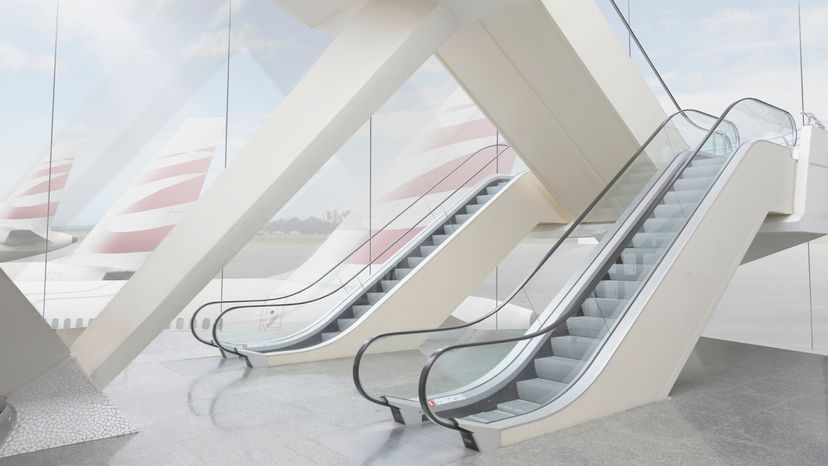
(215,328)
(362,350)
(194,317)
(429,364)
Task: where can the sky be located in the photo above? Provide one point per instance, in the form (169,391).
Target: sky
(130,72)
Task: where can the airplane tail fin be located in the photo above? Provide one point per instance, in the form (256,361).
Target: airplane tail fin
(39,194)
(157,200)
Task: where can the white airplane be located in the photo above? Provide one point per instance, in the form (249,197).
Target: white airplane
(24,216)
(130,231)
(83,283)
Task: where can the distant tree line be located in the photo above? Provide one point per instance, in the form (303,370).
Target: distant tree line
(308,225)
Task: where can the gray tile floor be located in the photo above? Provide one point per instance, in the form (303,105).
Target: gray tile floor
(733,404)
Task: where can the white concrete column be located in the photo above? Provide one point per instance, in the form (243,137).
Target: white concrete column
(381,46)
(554,79)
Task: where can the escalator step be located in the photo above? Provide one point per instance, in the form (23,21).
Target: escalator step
(691,184)
(388,284)
(671,211)
(360,310)
(628,272)
(640,255)
(617,289)
(400,273)
(344,323)
(414,261)
(427,250)
(461,218)
(557,368)
(662,225)
(439,239)
(488,416)
(683,197)
(651,240)
(517,407)
(373,297)
(328,335)
(472,208)
(602,307)
(493,189)
(573,347)
(538,390)
(588,326)
(450,228)
(482,199)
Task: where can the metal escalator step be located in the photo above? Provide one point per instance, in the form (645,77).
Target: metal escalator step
(662,225)
(472,208)
(488,416)
(671,210)
(618,289)
(640,255)
(450,228)
(573,347)
(414,261)
(493,189)
(388,284)
(558,368)
(603,307)
(373,297)
(427,250)
(401,272)
(439,239)
(517,407)
(683,197)
(328,335)
(539,390)
(461,218)
(691,184)
(360,310)
(651,240)
(344,323)
(628,272)
(483,198)
(588,326)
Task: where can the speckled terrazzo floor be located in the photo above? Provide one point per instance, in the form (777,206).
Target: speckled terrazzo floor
(733,404)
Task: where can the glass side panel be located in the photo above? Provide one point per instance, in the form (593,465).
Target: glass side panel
(544,364)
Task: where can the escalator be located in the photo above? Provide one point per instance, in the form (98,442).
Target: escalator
(672,225)
(331,306)
(391,273)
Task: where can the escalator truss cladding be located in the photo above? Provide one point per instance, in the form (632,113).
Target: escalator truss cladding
(479,387)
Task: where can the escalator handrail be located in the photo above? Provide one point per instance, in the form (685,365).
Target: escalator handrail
(219,318)
(362,350)
(194,317)
(429,364)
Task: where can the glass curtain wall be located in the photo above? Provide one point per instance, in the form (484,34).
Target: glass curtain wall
(710,54)
(27,46)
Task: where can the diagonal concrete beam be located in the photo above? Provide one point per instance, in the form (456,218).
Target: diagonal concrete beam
(370,58)
(554,79)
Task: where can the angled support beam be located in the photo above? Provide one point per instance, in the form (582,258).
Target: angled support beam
(28,346)
(381,46)
(554,79)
